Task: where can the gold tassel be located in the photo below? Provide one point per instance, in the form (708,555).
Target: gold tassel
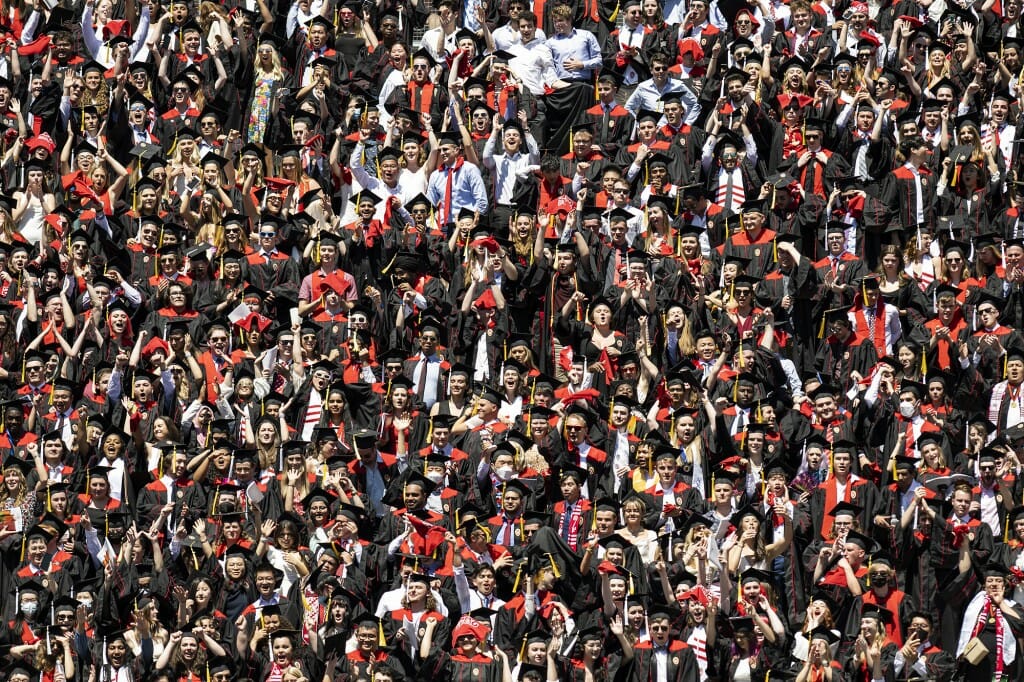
(519,574)
(522,649)
(615,14)
(381,639)
(924,364)
(554,566)
(868,581)
(1006,529)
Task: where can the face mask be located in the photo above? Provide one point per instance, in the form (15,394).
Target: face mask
(435,476)
(503,473)
(30,608)
(907,409)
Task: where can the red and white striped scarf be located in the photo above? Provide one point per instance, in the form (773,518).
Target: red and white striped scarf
(737,189)
(313,412)
(698,641)
(990,610)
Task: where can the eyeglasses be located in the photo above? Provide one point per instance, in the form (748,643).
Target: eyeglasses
(419,67)
(38,368)
(219,339)
(179,90)
(987,311)
(954,260)
(573,427)
(987,468)
(742,22)
(657,69)
(659,628)
(268,234)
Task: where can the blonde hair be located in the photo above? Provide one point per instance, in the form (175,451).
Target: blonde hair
(19,495)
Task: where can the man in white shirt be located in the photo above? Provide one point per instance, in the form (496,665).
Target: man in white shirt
(508,34)
(448,13)
(511,164)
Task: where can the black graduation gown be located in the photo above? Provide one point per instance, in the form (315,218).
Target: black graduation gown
(457,668)
(681,665)
(837,359)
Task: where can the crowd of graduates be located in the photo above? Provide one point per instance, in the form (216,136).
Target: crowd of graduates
(501,340)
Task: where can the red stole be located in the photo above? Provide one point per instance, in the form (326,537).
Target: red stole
(893,630)
(880,324)
(831,500)
(421,96)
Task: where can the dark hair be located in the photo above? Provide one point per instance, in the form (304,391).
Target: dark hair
(550,163)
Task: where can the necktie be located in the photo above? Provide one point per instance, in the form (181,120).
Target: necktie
(449,179)
(566,521)
(422,380)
